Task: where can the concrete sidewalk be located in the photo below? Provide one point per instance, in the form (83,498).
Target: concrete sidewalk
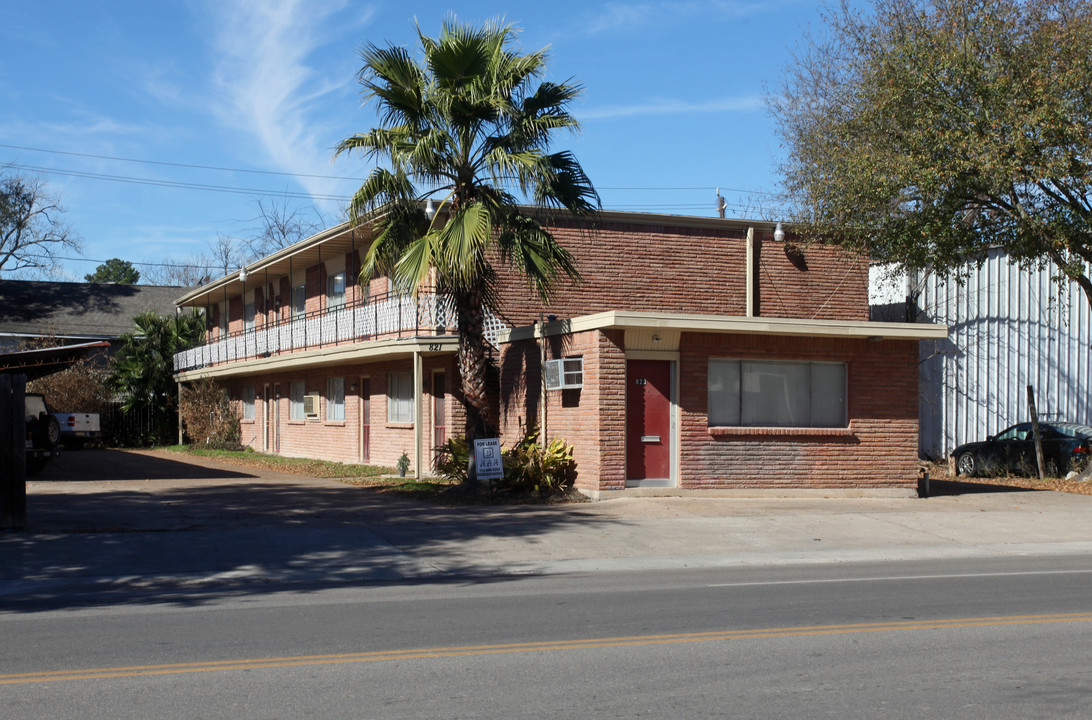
(168,523)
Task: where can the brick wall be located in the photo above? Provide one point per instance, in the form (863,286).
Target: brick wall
(592,419)
(879,448)
(812,282)
(661,268)
(340,441)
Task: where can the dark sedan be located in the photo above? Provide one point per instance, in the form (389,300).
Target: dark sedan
(1066,447)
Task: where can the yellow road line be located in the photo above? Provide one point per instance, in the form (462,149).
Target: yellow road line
(540,646)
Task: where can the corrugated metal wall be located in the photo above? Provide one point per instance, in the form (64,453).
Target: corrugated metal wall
(1008,328)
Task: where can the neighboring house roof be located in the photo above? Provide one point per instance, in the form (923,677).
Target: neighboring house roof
(83,310)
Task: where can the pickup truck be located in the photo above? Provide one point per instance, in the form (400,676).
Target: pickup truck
(43,434)
(78,428)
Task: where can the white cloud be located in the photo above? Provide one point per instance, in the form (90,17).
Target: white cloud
(268,86)
(669,106)
(621,15)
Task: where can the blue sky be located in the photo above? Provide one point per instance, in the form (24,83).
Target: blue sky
(264,89)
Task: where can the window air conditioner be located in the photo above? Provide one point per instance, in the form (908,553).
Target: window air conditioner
(311,405)
(565,374)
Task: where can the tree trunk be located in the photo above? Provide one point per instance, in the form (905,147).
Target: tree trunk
(473,368)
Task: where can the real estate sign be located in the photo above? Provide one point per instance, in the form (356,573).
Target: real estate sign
(487,459)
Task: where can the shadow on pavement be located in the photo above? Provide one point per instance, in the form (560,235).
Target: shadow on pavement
(98,465)
(168,531)
(959,487)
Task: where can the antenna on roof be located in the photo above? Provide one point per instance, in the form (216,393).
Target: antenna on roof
(721,205)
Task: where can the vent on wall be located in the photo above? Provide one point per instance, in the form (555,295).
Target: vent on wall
(311,405)
(565,374)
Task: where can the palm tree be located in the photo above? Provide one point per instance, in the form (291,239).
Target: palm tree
(467,123)
(143,368)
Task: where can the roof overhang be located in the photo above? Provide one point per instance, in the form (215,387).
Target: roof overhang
(394,349)
(332,242)
(726,324)
(46,361)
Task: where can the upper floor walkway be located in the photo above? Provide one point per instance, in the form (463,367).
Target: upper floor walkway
(390,316)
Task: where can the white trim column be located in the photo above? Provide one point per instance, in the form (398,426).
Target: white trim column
(418,408)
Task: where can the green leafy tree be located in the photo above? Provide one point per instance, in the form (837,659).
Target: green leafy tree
(467,121)
(143,368)
(116,271)
(925,131)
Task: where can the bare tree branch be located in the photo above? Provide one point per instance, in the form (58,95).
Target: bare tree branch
(32,232)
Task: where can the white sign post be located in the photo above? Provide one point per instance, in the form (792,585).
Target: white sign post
(487,459)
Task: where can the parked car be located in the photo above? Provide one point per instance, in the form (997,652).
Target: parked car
(43,435)
(1066,447)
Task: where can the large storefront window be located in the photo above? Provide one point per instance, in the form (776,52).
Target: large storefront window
(760,393)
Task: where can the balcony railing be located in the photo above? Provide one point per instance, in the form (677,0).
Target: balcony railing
(386,317)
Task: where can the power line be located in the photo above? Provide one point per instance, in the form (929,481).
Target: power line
(181,185)
(219,168)
(182,165)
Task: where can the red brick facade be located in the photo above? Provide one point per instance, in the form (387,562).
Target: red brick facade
(688,269)
(703,269)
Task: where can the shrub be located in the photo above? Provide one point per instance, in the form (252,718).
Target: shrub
(452,459)
(528,467)
(208,418)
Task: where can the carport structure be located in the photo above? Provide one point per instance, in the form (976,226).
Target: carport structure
(15,370)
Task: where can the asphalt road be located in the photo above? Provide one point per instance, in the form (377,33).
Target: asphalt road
(985,638)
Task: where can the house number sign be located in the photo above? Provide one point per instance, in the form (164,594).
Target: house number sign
(641,381)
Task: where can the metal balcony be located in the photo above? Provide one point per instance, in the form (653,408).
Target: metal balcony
(380,318)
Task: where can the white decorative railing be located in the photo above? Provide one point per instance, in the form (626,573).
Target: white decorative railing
(392,316)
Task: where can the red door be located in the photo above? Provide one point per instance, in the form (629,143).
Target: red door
(365,420)
(648,419)
(439,414)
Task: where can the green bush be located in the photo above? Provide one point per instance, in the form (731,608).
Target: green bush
(452,459)
(528,467)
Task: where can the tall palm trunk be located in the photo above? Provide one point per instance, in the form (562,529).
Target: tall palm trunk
(473,363)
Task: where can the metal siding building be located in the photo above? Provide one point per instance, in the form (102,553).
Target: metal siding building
(1009,327)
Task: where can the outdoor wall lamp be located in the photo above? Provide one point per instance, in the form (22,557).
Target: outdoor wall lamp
(779,233)
(430,209)
(242,275)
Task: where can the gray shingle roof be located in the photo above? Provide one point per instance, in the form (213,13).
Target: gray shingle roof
(79,309)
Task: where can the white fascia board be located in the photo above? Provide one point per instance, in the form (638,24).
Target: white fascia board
(738,325)
(324,357)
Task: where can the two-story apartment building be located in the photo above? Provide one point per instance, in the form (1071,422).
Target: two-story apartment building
(695,354)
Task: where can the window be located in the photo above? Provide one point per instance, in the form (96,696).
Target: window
(400,397)
(248,402)
(335,290)
(248,316)
(299,300)
(223,320)
(296,401)
(777,394)
(565,374)
(335,399)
